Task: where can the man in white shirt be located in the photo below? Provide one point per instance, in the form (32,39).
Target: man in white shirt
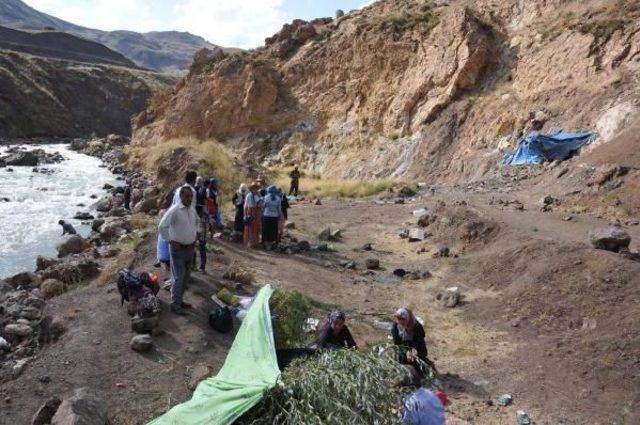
(180,226)
(189,181)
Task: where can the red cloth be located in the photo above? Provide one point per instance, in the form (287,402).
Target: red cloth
(253,229)
(442,396)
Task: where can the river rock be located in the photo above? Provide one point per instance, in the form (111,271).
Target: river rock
(84,408)
(83,216)
(51,288)
(613,239)
(18,329)
(103,205)
(74,244)
(97,224)
(25,279)
(45,414)
(45,262)
(22,159)
(141,343)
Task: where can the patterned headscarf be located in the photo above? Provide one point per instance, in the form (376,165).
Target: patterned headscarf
(405,329)
(336,316)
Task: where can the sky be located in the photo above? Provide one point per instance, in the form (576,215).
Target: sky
(240,23)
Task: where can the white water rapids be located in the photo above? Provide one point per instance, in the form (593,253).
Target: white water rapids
(29,220)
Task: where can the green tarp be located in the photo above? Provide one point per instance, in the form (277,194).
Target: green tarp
(251,367)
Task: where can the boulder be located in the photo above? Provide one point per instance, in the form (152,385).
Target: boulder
(116,140)
(18,330)
(406,192)
(144,325)
(96,224)
(45,262)
(45,414)
(372,263)
(84,408)
(51,288)
(304,246)
(416,235)
(613,239)
(141,343)
(146,205)
(325,234)
(30,313)
(103,205)
(117,212)
(83,216)
(449,297)
(198,373)
(73,244)
(22,159)
(25,279)
(51,329)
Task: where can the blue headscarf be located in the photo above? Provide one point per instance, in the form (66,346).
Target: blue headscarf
(273,192)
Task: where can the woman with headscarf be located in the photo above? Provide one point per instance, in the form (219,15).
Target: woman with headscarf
(335,333)
(238,203)
(253,204)
(408,333)
(271,215)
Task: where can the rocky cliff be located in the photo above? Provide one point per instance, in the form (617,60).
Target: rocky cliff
(408,88)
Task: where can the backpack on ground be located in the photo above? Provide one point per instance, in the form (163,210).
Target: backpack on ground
(221,319)
(139,290)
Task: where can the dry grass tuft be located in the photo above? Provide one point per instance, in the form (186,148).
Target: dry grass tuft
(314,186)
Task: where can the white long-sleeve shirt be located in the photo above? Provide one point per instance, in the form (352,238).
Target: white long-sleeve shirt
(180,224)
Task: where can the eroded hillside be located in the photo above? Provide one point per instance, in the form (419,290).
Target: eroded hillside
(57,85)
(413,88)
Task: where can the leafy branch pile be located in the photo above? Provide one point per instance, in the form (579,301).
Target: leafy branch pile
(335,387)
(289,309)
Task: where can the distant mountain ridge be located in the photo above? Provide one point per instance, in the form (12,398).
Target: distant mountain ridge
(60,45)
(166,51)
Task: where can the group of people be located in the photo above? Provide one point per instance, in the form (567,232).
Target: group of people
(192,212)
(260,214)
(407,333)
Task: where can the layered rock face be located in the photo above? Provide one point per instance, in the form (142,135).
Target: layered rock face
(411,88)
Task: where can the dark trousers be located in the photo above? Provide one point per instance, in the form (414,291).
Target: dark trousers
(181,263)
(294,187)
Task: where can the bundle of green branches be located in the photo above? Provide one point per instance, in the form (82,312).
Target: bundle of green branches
(289,309)
(336,387)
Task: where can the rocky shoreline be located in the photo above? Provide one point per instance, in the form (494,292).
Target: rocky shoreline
(24,323)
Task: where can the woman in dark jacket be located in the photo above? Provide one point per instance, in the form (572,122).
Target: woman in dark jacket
(407,332)
(335,333)
(238,203)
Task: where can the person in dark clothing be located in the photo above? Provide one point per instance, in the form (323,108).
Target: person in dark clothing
(127,196)
(408,333)
(238,203)
(335,333)
(295,181)
(67,228)
(285,206)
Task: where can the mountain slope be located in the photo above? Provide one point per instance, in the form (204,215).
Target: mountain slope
(60,45)
(169,52)
(56,84)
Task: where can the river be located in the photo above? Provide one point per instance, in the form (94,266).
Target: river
(29,220)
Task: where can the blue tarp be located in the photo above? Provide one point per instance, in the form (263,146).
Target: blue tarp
(535,148)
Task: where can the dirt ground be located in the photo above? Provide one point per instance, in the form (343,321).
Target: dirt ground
(543,317)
